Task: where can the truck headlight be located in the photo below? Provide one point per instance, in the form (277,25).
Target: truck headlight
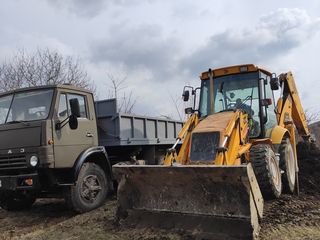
(33,160)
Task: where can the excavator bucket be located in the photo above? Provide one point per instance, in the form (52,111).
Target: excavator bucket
(212,201)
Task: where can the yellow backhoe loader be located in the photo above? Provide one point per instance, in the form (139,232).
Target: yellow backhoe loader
(238,149)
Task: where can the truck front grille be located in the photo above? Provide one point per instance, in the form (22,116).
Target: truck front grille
(204,145)
(13,162)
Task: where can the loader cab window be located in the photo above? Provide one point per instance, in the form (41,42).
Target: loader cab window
(238,91)
(269,111)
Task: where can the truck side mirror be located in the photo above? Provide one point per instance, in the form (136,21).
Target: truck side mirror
(75,113)
(73,122)
(186,95)
(75,107)
(73,118)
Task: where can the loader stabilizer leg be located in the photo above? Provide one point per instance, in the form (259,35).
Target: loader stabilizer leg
(213,201)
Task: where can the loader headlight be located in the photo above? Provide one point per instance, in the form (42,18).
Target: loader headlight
(33,160)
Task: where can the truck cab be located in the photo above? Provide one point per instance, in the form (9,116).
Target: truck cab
(47,134)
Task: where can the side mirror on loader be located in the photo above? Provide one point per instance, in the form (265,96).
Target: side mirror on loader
(274,82)
(186,95)
(188,110)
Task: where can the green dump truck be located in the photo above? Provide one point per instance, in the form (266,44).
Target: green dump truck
(56,141)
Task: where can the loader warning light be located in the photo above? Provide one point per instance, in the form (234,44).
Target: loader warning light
(244,69)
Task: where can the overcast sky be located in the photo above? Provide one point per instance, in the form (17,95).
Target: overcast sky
(163,45)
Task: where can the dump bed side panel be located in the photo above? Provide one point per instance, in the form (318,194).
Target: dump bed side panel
(119,129)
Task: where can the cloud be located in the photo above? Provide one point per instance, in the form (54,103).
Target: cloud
(143,47)
(161,63)
(92,8)
(275,35)
(83,8)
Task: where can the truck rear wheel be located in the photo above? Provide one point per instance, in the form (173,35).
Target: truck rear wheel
(287,164)
(90,190)
(267,171)
(16,201)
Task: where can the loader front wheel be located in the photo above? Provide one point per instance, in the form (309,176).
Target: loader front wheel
(267,171)
(287,164)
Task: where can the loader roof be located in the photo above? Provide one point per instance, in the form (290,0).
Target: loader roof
(234,70)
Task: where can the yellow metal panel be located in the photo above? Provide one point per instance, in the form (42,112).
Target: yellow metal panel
(277,134)
(233,70)
(184,134)
(298,115)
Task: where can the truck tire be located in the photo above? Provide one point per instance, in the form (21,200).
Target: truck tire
(287,164)
(267,171)
(90,190)
(16,201)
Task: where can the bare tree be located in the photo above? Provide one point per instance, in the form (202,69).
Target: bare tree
(177,102)
(43,67)
(125,100)
(311,116)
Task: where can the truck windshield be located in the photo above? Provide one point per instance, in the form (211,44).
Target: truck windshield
(238,91)
(25,106)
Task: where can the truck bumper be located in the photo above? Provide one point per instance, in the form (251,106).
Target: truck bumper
(19,182)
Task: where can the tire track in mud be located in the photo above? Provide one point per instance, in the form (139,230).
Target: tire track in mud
(289,217)
(43,214)
(292,216)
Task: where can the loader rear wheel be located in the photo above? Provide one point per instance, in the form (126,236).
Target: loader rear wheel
(267,171)
(287,164)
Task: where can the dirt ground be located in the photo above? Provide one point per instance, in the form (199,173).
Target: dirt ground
(290,217)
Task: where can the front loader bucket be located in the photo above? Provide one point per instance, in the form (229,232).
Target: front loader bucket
(216,201)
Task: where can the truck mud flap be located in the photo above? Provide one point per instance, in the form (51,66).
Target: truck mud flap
(214,201)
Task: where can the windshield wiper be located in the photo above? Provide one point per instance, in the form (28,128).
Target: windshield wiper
(24,123)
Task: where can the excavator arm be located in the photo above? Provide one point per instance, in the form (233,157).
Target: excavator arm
(290,109)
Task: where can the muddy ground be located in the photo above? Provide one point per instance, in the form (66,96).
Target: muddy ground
(290,217)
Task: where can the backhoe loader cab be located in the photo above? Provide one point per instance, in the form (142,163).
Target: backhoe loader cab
(241,87)
(238,149)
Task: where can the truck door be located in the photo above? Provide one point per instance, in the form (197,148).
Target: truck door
(68,143)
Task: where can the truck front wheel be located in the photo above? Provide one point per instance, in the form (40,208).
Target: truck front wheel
(90,190)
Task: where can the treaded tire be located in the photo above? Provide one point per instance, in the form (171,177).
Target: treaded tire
(287,164)
(267,170)
(90,190)
(16,201)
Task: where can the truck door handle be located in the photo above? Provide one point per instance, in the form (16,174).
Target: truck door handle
(88,134)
